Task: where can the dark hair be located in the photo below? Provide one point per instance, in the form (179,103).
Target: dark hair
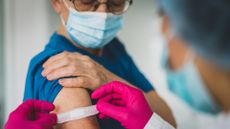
(203,24)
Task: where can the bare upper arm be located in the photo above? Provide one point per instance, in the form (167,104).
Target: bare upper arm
(69,99)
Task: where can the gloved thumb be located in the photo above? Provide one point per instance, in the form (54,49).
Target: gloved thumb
(47,120)
(112,111)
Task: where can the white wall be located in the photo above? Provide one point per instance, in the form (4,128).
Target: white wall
(1,66)
(26,30)
(138,36)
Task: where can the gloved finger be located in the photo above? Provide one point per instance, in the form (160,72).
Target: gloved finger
(37,105)
(47,120)
(110,97)
(32,107)
(118,103)
(111,111)
(43,106)
(114,102)
(25,107)
(101,116)
(110,88)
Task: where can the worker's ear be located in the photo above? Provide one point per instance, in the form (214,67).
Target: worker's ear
(177,47)
(165,27)
(57,5)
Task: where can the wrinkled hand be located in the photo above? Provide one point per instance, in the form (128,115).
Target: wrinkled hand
(32,114)
(124,104)
(75,70)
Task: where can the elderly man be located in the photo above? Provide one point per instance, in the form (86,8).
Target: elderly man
(84,54)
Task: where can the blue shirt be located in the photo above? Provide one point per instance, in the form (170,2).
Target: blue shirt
(114,58)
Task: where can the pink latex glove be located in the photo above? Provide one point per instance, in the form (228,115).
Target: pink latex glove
(32,114)
(124,104)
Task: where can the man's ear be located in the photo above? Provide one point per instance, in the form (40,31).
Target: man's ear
(57,5)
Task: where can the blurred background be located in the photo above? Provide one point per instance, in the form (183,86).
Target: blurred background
(25,28)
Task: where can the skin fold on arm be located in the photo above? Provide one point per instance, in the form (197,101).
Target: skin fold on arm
(69,99)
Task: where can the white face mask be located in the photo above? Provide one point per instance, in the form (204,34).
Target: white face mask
(92,29)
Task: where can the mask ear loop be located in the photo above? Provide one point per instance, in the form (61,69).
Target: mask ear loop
(171,35)
(189,57)
(67,6)
(62,18)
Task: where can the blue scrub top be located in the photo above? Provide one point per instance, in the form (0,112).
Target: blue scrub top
(114,58)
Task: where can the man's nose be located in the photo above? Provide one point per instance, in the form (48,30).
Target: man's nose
(102,7)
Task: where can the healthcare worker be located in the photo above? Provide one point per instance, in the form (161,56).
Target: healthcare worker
(197,61)
(196,58)
(32,114)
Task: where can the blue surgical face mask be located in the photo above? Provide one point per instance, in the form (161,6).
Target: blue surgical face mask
(92,29)
(187,84)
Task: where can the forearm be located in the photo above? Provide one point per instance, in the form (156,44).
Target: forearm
(112,77)
(156,122)
(159,106)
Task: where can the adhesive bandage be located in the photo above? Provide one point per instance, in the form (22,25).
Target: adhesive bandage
(78,113)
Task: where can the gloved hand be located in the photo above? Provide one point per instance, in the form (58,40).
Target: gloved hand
(124,104)
(32,114)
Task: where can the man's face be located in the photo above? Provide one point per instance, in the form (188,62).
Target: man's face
(116,7)
(61,6)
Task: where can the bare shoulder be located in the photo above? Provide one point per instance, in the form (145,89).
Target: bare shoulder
(69,99)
